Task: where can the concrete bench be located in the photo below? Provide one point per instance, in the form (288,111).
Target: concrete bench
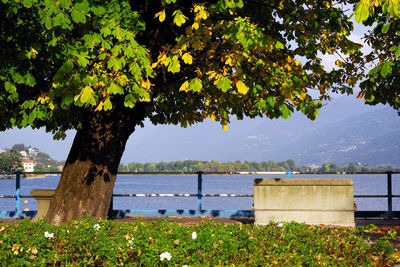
(43,198)
(310,201)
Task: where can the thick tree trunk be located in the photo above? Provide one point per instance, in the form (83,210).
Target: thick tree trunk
(87,181)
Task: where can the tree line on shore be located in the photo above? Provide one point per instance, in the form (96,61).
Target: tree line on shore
(252,166)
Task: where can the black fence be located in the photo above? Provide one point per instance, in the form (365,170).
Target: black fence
(389,213)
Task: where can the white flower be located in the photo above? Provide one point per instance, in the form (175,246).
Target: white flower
(279,224)
(165,255)
(48,235)
(194,235)
(185,266)
(96,227)
(130,243)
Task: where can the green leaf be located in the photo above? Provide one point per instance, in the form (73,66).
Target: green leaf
(67,99)
(82,61)
(285,111)
(385,28)
(98,11)
(87,94)
(116,89)
(82,6)
(10,87)
(129,101)
(61,20)
(362,11)
(195,85)
(78,16)
(279,45)
(107,104)
(224,84)
(261,104)
(270,101)
(27,3)
(174,66)
(386,68)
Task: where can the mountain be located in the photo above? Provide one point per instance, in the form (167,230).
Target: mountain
(345,131)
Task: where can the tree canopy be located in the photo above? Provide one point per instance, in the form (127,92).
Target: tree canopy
(187,61)
(11,161)
(380,67)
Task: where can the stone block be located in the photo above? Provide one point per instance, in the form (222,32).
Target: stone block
(43,198)
(310,201)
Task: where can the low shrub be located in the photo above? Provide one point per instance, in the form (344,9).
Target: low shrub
(163,243)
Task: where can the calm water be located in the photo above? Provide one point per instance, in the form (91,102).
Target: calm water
(212,184)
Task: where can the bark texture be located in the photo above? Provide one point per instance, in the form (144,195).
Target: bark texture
(87,181)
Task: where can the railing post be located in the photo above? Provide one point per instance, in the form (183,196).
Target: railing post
(390,196)
(17,191)
(199,190)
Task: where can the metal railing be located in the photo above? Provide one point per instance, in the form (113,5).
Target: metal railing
(200,195)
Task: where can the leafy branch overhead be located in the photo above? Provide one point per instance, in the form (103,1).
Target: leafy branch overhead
(219,59)
(381,65)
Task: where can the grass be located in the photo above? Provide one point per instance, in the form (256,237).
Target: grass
(163,243)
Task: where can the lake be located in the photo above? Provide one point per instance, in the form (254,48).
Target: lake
(366,184)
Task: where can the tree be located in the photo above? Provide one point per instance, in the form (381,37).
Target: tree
(19,147)
(102,67)
(324,168)
(11,161)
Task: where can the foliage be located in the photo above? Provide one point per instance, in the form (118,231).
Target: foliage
(10,161)
(381,65)
(162,243)
(246,166)
(188,60)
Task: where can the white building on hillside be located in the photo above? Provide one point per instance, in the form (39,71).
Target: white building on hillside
(32,151)
(28,165)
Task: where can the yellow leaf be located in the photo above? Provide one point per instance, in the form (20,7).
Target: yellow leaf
(198,8)
(187,58)
(179,18)
(242,88)
(225,128)
(212,117)
(228,61)
(195,26)
(146,84)
(184,86)
(160,15)
(211,74)
(99,107)
(297,63)
(202,14)
(51,105)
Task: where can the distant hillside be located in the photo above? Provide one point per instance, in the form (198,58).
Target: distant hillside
(371,138)
(345,131)
(43,161)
